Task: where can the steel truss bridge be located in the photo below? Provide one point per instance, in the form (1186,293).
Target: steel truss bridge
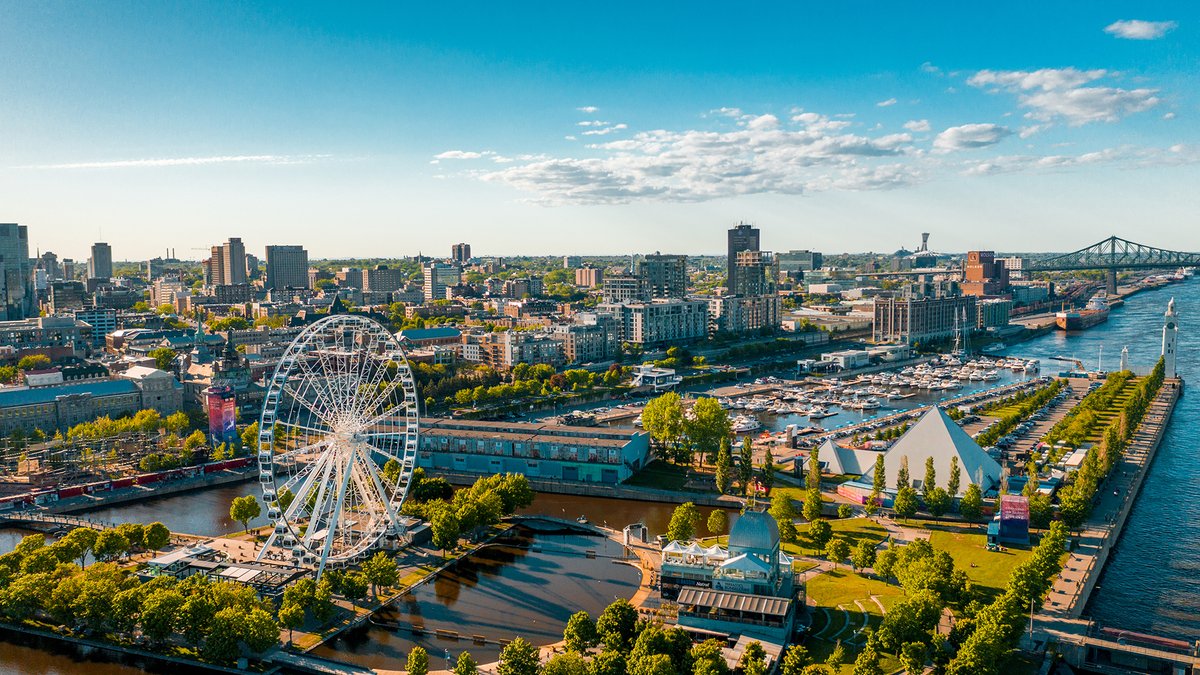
(1114,254)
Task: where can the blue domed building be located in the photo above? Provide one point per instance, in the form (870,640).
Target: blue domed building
(747,589)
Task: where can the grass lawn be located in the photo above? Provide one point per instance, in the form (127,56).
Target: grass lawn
(843,587)
(853,530)
(987,569)
(660,474)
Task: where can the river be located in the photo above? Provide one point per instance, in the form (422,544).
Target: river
(1151,583)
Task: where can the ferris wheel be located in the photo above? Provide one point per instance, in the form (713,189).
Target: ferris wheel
(337,442)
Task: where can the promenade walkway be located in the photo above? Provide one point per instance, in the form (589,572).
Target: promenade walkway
(1100,533)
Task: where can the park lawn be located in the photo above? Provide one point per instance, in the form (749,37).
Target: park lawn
(991,569)
(843,587)
(853,530)
(660,474)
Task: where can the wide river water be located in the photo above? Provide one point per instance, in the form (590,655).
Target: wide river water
(1151,583)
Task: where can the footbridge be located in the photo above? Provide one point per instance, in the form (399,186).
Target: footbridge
(44,519)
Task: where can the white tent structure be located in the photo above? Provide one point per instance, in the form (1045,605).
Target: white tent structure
(936,435)
(841,461)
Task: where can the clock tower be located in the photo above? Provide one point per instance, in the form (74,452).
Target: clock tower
(1170,335)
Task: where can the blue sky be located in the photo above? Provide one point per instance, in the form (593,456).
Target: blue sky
(614,128)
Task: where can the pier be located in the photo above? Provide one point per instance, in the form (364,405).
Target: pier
(1059,623)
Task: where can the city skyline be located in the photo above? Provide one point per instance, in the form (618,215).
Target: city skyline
(155,128)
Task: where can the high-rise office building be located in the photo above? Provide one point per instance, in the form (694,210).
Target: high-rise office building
(665,275)
(100,264)
(460,253)
(287,267)
(743,237)
(984,275)
(437,277)
(227,265)
(49,262)
(16,272)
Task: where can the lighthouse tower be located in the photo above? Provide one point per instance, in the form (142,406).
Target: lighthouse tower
(1170,335)
(1125,358)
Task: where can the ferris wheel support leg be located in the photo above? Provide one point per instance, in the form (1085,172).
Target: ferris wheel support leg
(341,497)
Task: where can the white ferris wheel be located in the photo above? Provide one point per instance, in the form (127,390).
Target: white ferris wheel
(337,442)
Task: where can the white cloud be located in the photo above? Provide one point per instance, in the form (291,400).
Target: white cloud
(1135,29)
(917,126)
(589,109)
(1168,116)
(928,67)
(884,104)
(1123,157)
(605,131)
(969,136)
(460,154)
(1058,93)
(592,123)
(184,161)
(755,154)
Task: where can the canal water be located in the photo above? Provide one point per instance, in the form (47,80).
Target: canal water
(528,587)
(1151,583)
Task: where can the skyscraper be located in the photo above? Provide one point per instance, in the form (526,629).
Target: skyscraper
(743,237)
(100,264)
(437,277)
(16,272)
(227,266)
(460,253)
(287,267)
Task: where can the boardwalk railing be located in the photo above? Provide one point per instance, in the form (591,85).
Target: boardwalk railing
(42,518)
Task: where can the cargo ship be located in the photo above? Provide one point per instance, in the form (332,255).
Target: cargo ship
(1094,313)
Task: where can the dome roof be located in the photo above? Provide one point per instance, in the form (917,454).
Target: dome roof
(754,530)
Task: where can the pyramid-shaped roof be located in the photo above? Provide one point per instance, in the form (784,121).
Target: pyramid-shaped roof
(936,435)
(845,461)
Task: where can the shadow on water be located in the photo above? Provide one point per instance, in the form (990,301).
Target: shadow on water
(528,586)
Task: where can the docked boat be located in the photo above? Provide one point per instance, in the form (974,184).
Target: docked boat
(1095,312)
(744,424)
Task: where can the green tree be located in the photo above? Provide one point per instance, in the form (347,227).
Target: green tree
(885,563)
(224,633)
(244,509)
(971,506)
(902,478)
(1040,511)
(784,513)
(567,663)
(156,536)
(707,428)
(795,659)
(905,504)
(259,630)
(724,469)
(867,662)
(159,613)
(930,481)
(110,544)
(81,540)
(820,532)
(33,362)
(754,659)
(937,501)
(291,617)
(250,436)
(195,441)
(663,419)
(609,662)
(519,657)
(746,465)
(580,633)
(285,498)
(617,625)
(768,468)
(812,505)
(354,586)
(163,357)
(465,665)
(381,571)
(322,601)
(844,511)
(177,423)
(837,657)
(418,662)
(718,521)
(863,555)
(684,521)
(837,550)
(952,484)
(912,657)
(445,530)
